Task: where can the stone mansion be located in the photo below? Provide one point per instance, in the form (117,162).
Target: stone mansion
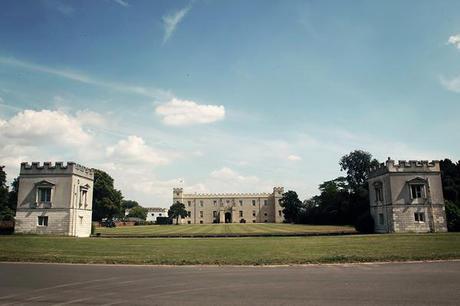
(231,207)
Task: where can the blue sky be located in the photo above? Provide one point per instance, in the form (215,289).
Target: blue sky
(226,96)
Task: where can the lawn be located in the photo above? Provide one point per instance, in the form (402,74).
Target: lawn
(232,251)
(222,230)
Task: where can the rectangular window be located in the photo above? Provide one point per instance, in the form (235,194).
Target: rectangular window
(378,194)
(253,213)
(265,214)
(201,221)
(253,221)
(81,220)
(265,202)
(417,191)
(189,203)
(381,220)
(201,214)
(201,203)
(215,203)
(280,213)
(42,220)
(44,194)
(189,213)
(253,202)
(214,214)
(241,203)
(419,217)
(241,213)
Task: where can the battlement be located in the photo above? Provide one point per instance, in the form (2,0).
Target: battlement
(404,166)
(56,168)
(279,190)
(227,195)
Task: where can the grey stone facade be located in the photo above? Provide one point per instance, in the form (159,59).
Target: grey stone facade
(407,197)
(231,207)
(55,199)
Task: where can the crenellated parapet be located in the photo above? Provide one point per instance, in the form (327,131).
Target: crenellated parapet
(58,168)
(226,195)
(404,166)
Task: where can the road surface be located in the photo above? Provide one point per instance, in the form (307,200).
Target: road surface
(431,283)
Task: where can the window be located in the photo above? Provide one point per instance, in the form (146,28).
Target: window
(189,222)
(215,203)
(241,213)
(228,201)
(253,202)
(189,203)
(201,203)
(159,214)
(81,220)
(201,214)
(44,194)
(265,214)
(381,220)
(214,214)
(42,220)
(265,202)
(153,214)
(253,221)
(265,221)
(201,221)
(378,194)
(253,213)
(83,197)
(419,217)
(241,203)
(280,213)
(189,213)
(417,191)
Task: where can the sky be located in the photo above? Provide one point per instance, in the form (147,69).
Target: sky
(226,96)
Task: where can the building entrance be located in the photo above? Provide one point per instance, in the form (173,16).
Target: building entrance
(228,217)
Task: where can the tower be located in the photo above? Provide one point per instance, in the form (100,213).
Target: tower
(178,195)
(277,195)
(407,197)
(55,199)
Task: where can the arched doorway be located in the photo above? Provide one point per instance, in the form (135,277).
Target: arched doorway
(228,217)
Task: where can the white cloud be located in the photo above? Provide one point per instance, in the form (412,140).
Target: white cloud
(451,84)
(184,112)
(294,157)
(227,174)
(121,2)
(82,78)
(171,21)
(90,118)
(134,150)
(454,40)
(32,127)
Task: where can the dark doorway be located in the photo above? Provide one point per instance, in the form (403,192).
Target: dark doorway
(228,217)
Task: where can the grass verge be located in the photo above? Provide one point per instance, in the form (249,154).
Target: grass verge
(232,251)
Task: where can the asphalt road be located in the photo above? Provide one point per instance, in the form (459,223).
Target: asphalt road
(432,283)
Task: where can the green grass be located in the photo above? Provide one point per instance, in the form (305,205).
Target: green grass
(234,251)
(222,229)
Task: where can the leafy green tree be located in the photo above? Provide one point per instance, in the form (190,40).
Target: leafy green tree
(357,165)
(292,206)
(106,199)
(176,211)
(452,216)
(450,175)
(6,213)
(138,212)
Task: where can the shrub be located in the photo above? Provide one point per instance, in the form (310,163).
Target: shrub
(365,223)
(164,220)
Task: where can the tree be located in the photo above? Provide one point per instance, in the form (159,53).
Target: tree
(357,164)
(450,175)
(292,206)
(106,199)
(177,210)
(138,212)
(6,213)
(127,205)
